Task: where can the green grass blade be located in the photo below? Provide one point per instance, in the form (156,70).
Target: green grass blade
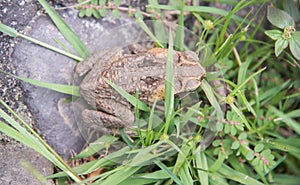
(131,99)
(142,24)
(34,141)
(236,8)
(185,175)
(212,99)
(239,86)
(13,133)
(66,89)
(8,30)
(13,33)
(169,172)
(96,146)
(202,167)
(68,33)
(234,175)
(120,175)
(179,35)
(204,9)
(290,122)
(241,115)
(169,85)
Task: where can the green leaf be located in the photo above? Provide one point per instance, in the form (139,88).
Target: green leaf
(286,119)
(117,2)
(89,12)
(99,144)
(295,45)
(179,36)
(116,13)
(167,171)
(202,167)
(292,8)
(249,156)
(142,24)
(235,175)
(169,85)
(243,136)
(96,14)
(66,89)
(8,30)
(274,34)
(82,13)
(119,176)
(103,12)
(131,99)
(279,18)
(259,147)
(68,33)
(12,32)
(280,45)
(235,145)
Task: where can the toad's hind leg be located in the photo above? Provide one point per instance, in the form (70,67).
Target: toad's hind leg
(104,122)
(110,115)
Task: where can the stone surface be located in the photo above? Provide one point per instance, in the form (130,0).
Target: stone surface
(52,114)
(16,14)
(45,110)
(13,171)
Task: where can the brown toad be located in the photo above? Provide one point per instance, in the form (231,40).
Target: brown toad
(142,71)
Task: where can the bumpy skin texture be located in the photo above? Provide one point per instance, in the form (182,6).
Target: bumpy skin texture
(142,71)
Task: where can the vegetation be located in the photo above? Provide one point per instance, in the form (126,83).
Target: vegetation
(256,140)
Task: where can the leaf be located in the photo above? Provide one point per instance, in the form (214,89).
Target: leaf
(249,156)
(89,12)
(202,167)
(96,146)
(274,34)
(168,171)
(286,119)
(131,99)
(279,18)
(103,12)
(235,145)
(291,8)
(280,45)
(96,14)
(68,33)
(119,176)
(62,88)
(142,24)
(169,84)
(8,30)
(200,9)
(259,147)
(116,14)
(295,45)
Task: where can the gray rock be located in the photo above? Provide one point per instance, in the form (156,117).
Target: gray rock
(45,110)
(12,168)
(52,113)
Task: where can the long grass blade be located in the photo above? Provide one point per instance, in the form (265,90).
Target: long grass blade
(68,33)
(66,89)
(13,33)
(169,85)
(131,99)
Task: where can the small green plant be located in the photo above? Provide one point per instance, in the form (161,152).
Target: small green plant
(98,8)
(287,36)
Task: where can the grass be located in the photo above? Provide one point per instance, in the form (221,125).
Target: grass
(257,138)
